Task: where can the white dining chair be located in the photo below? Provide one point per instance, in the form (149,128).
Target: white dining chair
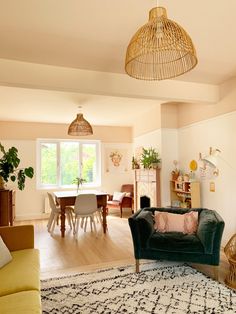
(55,214)
(85,208)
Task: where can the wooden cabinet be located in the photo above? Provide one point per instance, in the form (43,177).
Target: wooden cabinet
(185,194)
(7,207)
(147,183)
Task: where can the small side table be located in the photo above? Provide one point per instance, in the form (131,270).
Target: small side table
(230,252)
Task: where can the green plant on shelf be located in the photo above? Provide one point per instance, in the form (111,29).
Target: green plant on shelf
(150,158)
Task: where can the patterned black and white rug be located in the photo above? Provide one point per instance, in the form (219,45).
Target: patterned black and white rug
(160,287)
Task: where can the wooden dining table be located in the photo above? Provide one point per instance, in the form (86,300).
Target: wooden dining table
(67,198)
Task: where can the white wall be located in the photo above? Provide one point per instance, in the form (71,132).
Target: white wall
(151,139)
(30,201)
(218,133)
(112,178)
(169,143)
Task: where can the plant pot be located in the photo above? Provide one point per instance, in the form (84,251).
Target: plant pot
(174,175)
(186,177)
(154,165)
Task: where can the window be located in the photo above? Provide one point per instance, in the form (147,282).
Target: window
(61,161)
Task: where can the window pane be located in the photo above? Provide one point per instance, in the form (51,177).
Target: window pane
(89,162)
(69,162)
(61,162)
(48,163)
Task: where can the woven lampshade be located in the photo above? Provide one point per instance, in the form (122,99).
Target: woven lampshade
(161,49)
(80,126)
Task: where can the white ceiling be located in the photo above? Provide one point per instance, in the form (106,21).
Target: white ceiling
(61,107)
(94,34)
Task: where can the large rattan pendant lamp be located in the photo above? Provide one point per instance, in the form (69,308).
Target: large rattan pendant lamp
(160,49)
(80,126)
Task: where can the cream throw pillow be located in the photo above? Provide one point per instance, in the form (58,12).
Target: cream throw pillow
(185,223)
(128,194)
(5,255)
(118,196)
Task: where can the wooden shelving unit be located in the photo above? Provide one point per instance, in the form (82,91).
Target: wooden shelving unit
(185,194)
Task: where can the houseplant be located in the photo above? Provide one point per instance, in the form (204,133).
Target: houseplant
(9,170)
(150,158)
(78,181)
(135,164)
(175,173)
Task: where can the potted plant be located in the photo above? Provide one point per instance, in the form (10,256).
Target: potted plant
(135,164)
(9,170)
(79,181)
(150,158)
(175,173)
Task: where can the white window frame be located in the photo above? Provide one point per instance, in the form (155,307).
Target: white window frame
(58,184)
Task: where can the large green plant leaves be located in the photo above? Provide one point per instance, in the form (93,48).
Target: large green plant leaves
(9,167)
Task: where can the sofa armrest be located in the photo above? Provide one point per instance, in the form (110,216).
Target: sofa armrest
(142,227)
(210,230)
(18,237)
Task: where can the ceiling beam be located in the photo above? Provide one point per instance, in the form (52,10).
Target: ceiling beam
(39,76)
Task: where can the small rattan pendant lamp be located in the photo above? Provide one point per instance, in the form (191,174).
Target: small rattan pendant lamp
(160,49)
(80,126)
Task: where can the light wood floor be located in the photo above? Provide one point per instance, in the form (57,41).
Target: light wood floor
(59,256)
(67,255)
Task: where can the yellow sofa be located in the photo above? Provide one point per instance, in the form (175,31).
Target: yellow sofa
(20,279)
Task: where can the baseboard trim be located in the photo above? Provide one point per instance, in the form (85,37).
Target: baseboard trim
(32,217)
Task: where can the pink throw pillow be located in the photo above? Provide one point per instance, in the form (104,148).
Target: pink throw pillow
(185,223)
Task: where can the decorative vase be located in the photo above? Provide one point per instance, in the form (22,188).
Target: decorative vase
(180,178)
(186,177)
(78,188)
(174,175)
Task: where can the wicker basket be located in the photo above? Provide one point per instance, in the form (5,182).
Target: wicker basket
(230,252)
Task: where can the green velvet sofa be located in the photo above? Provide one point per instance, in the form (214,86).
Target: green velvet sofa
(203,247)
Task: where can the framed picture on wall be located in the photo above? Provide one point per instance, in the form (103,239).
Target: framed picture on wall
(116,159)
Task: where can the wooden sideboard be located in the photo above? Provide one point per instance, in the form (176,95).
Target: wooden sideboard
(147,183)
(7,207)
